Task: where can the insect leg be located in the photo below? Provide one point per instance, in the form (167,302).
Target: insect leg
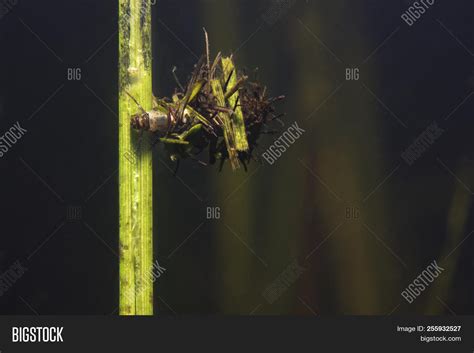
(177,79)
(176,167)
(136,102)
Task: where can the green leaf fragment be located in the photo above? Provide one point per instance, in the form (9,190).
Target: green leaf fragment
(237,119)
(195,90)
(191,132)
(226,124)
(173,141)
(194,114)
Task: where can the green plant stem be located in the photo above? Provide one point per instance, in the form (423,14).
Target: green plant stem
(135,160)
(457,220)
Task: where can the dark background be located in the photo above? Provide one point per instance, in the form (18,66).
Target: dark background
(59,192)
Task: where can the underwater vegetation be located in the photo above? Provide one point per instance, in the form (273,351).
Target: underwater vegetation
(219,109)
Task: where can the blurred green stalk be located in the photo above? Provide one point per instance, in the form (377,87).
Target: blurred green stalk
(457,218)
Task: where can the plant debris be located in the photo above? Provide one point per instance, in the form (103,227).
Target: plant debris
(219,109)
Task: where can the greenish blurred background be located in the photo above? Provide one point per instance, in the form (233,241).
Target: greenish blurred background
(341,223)
(342,204)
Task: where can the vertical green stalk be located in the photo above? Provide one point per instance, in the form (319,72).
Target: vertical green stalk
(135,160)
(238,211)
(458,216)
(356,278)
